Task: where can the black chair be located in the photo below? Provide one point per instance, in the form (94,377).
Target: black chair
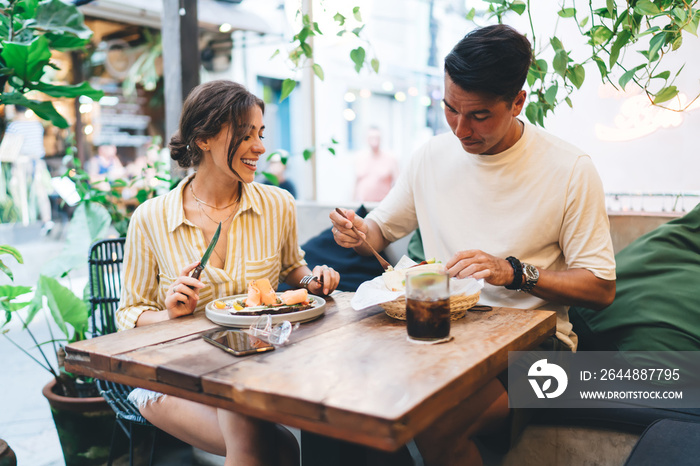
(105,261)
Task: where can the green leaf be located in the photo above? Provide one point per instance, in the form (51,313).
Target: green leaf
(584,21)
(6,249)
(271,178)
(277,52)
(65,42)
(374,63)
(356,13)
(44,110)
(677,42)
(531,112)
(65,307)
(8,293)
(357,31)
(308,153)
(600,35)
(646,7)
(556,44)
(306,48)
(317,29)
(318,71)
(692,26)
(610,4)
(567,12)
(601,66)
(518,7)
(340,19)
(358,57)
(663,75)
(54,15)
(623,38)
(28,60)
(551,95)
(655,45)
(331,150)
(665,94)
(26,9)
(568,101)
(471,14)
(560,62)
(333,141)
(625,78)
(577,74)
(288,86)
(68,91)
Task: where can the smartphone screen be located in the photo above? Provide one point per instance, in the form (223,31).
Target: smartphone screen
(237,342)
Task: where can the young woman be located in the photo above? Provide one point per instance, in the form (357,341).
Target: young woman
(220,134)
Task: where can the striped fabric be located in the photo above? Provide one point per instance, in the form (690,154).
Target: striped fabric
(262,243)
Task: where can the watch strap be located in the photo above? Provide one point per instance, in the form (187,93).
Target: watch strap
(517,273)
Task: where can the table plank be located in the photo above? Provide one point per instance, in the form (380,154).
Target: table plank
(349,375)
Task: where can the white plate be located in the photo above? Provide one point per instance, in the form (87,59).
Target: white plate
(224,317)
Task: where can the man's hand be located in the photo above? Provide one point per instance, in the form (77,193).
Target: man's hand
(477,264)
(343,233)
(182,296)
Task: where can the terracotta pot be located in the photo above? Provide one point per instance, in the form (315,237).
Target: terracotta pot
(84,427)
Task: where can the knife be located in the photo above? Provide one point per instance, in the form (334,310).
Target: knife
(205,258)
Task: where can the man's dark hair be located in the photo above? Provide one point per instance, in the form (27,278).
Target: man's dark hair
(493,59)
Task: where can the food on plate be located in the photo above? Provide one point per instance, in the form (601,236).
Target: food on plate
(219,304)
(395,280)
(300,296)
(260,300)
(260,292)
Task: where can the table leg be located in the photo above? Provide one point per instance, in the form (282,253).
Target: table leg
(317,450)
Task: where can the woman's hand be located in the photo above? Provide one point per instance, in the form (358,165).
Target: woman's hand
(182,296)
(329,280)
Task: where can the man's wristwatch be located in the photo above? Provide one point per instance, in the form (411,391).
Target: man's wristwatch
(530,277)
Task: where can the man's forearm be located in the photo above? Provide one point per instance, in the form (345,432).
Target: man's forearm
(575,287)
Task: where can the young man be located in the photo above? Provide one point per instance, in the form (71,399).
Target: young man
(504,201)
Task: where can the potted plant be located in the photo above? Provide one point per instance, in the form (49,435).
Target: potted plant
(83,419)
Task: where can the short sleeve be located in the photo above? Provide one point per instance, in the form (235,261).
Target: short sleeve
(585,233)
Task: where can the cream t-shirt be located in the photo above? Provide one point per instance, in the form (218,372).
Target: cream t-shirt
(541,201)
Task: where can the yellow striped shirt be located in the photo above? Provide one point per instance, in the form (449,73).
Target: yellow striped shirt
(262,243)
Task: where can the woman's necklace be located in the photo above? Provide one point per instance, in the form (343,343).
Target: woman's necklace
(216,222)
(199,201)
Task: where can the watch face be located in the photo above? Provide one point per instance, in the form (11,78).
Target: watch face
(531,272)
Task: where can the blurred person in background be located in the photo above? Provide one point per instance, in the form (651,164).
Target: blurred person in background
(31,182)
(376,170)
(105,165)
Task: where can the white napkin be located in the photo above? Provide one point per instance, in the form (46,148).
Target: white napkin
(373,292)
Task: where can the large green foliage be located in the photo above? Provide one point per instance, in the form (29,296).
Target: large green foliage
(641,31)
(29,31)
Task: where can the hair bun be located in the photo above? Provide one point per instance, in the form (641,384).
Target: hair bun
(180,151)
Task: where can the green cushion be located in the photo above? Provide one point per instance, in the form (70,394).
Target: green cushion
(657,305)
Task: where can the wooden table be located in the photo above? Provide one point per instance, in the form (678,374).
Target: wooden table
(349,375)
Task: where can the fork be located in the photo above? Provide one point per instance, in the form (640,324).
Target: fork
(382,261)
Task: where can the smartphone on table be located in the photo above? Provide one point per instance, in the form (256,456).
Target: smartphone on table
(237,342)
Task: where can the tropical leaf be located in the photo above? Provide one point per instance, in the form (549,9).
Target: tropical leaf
(57,16)
(288,86)
(27,59)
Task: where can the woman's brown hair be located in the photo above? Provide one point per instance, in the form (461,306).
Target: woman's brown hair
(206,110)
